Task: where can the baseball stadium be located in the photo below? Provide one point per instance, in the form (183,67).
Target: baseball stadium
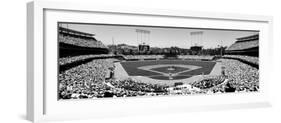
(88,68)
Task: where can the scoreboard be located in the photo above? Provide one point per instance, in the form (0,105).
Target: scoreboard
(144,48)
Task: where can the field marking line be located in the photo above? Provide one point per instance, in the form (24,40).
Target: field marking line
(216,69)
(150,67)
(120,72)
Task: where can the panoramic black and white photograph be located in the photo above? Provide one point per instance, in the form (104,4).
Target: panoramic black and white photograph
(119,61)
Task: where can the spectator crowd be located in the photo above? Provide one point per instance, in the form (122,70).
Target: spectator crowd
(84,80)
(196,57)
(80,41)
(142,57)
(251,59)
(186,57)
(67,60)
(241,76)
(93,80)
(237,77)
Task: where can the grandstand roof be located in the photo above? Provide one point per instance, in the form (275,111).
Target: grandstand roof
(248,38)
(75,32)
(245,43)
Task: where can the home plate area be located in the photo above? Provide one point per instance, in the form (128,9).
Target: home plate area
(166,72)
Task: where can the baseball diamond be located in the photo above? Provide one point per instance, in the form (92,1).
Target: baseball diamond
(166,72)
(183,69)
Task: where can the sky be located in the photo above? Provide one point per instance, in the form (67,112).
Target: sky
(160,36)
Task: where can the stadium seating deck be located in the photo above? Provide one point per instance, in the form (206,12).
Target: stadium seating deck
(243,45)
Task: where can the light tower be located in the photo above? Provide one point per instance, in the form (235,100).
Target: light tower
(197,37)
(143,37)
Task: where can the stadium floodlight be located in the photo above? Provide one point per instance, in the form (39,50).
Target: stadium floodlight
(143,36)
(197,37)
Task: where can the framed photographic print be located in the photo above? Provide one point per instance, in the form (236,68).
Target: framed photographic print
(95,61)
